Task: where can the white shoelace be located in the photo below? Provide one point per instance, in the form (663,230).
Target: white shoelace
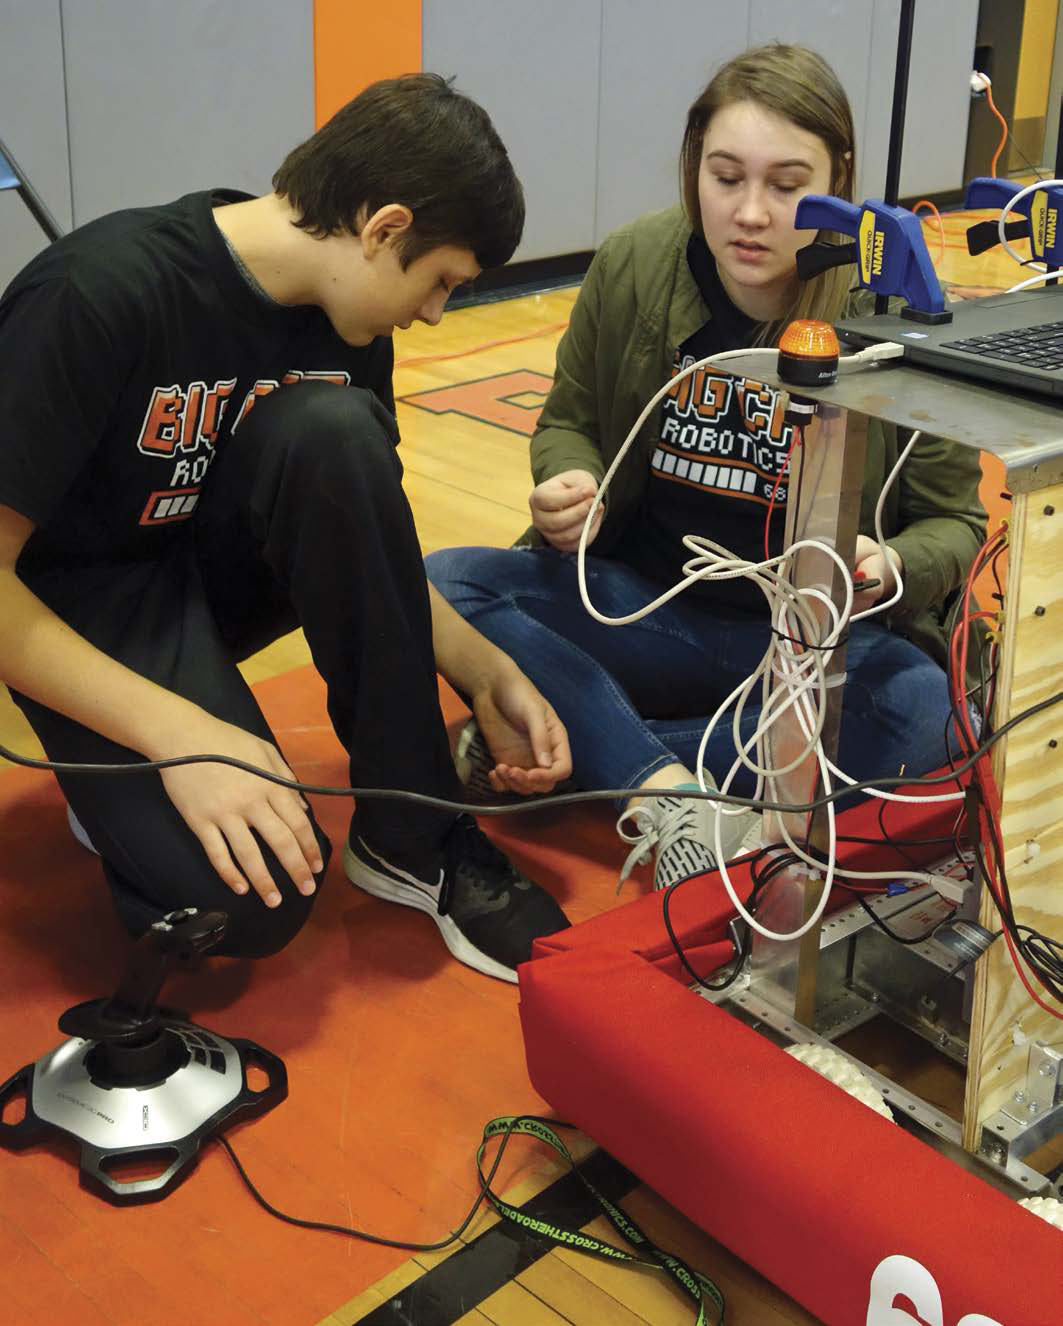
(663,822)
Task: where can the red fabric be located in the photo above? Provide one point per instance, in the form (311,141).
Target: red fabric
(797,1178)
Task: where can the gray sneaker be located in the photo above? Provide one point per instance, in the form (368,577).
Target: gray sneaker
(680,833)
(473,762)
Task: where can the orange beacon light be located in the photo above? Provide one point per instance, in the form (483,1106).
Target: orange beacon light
(808,354)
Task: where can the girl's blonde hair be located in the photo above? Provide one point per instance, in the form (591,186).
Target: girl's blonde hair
(798,85)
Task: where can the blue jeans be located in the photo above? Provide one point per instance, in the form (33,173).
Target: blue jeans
(637,698)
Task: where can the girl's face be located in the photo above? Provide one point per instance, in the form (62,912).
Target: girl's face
(755,167)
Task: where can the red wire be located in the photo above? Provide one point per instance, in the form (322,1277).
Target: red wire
(798,439)
(990,810)
(961,640)
(1016,959)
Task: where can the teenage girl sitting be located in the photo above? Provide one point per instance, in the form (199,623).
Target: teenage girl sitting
(716,273)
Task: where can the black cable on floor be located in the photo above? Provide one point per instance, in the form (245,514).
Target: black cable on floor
(348,1230)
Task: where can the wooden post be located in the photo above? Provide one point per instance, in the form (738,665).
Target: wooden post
(1028,766)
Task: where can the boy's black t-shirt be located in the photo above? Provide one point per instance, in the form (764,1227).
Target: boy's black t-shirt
(129,352)
(723,443)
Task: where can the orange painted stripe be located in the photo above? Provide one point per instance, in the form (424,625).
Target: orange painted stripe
(357,42)
(552,330)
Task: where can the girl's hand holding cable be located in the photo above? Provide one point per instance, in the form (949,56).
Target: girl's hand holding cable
(559,507)
(870,565)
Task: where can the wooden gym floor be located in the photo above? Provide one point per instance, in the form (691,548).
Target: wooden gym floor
(396,1055)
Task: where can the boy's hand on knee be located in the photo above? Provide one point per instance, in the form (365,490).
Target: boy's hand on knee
(523,734)
(222,805)
(559,508)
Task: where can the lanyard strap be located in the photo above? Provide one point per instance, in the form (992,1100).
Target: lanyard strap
(695,1285)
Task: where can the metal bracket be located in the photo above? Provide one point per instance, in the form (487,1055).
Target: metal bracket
(1044,1077)
(1033,1115)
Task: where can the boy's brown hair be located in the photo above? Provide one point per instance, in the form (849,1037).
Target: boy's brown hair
(412,140)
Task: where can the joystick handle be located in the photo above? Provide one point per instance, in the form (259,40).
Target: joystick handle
(131,1013)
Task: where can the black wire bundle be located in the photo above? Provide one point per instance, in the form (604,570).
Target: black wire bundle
(1042,954)
(765,865)
(742,938)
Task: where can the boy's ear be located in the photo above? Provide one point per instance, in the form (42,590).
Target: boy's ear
(386,225)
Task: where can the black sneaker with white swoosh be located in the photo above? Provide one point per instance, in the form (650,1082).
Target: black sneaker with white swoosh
(487,911)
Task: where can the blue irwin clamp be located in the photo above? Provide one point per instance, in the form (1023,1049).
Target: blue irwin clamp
(1041,210)
(887,246)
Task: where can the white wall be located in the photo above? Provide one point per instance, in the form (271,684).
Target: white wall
(113,103)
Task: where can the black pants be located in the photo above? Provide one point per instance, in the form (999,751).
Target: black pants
(303,522)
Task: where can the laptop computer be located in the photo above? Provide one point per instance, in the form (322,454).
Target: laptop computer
(1011,340)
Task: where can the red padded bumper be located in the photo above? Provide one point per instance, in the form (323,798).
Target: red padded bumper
(843,1210)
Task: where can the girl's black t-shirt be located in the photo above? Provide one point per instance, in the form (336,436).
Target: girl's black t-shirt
(722,446)
(130,350)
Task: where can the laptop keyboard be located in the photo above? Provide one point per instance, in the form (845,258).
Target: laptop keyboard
(1036,347)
